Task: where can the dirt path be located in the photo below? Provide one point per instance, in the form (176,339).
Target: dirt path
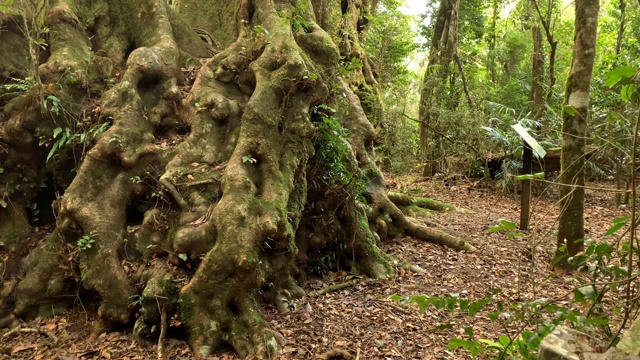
(361,319)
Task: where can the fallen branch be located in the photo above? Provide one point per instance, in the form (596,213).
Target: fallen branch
(32,330)
(334,287)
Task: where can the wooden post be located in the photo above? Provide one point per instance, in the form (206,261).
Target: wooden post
(525,198)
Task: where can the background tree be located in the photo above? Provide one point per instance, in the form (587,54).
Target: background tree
(574,125)
(441,54)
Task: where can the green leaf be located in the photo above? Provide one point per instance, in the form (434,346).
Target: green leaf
(469,331)
(585,292)
(491,344)
(472,346)
(464,303)
(569,110)
(396,297)
(456,343)
(422,302)
(629,92)
(602,249)
(622,219)
(248,159)
(477,306)
(53,150)
(508,225)
(504,340)
(612,230)
(620,76)
(56,132)
(621,271)
(437,302)
(183,256)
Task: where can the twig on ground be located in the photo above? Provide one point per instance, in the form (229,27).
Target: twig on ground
(334,287)
(31,330)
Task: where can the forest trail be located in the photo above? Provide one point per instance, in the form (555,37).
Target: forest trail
(360,318)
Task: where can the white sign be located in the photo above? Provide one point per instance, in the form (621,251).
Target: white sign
(537,148)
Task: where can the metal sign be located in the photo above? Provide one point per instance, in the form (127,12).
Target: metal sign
(537,148)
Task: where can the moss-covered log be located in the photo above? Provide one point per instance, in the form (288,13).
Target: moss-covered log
(198,171)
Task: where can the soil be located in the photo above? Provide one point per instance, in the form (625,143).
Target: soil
(360,319)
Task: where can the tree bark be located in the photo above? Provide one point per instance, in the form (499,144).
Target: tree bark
(621,27)
(216,166)
(545,20)
(443,47)
(574,126)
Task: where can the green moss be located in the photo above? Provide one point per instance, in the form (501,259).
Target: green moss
(433,204)
(414,210)
(45,311)
(186,309)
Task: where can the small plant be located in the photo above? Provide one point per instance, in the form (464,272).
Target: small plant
(86,242)
(249,159)
(298,22)
(332,149)
(66,137)
(52,103)
(347,67)
(19,87)
(260,31)
(137,300)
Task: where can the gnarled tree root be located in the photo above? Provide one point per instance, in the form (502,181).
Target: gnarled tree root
(403,200)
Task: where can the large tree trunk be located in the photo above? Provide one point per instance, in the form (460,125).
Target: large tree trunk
(203,170)
(574,132)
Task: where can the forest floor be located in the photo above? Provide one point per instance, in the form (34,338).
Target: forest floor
(361,319)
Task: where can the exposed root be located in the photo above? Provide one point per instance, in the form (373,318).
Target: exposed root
(411,267)
(163,332)
(176,195)
(403,200)
(9,321)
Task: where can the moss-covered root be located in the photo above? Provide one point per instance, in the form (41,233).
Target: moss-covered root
(230,316)
(395,221)
(45,280)
(159,295)
(403,200)
(437,237)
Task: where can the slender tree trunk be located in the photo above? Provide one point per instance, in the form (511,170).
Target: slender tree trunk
(537,91)
(622,26)
(545,20)
(492,40)
(574,125)
(441,54)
